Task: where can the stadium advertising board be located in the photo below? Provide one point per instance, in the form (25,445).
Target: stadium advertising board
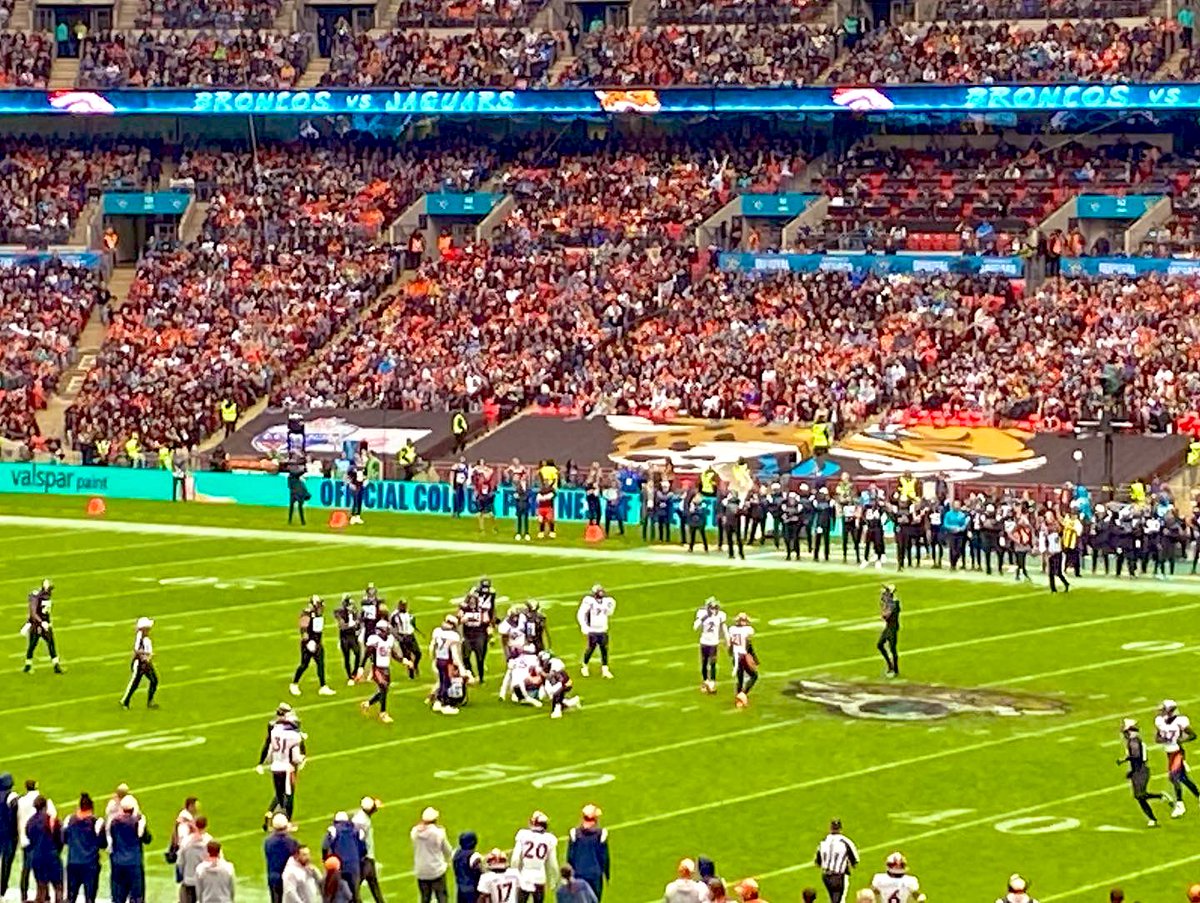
(489,102)
(475,203)
(109,482)
(150,203)
(1110,206)
(776,206)
(1129,266)
(746,262)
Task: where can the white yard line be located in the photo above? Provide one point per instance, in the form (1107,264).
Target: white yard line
(649,555)
(1122,879)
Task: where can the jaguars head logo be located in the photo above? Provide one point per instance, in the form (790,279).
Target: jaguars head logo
(917,702)
(639,101)
(959,451)
(691,445)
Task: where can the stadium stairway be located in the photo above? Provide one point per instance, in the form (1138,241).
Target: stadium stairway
(52,420)
(317,67)
(21,18)
(64,73)
(127,12)
(193,222)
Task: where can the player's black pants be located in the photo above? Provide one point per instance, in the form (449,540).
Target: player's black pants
(990,548)
(733,535)
(1073,558)
(356,502)
(597,641)
(708,663)
(284,799)
(537,895)
(683,528)
(613,516)
(1127,558)
(443,687)
(138,670)
(957,545)
(8,854)
(746,677)
(836,885)
(36,636)
(664,528)
(25,873)
(647,528)
(381,691)
(348,641)
(435,889)
(593,508)
(85,879)
(1139,780)
(370,877)
(522,523)
(975,547)
(1056,572)
(693,531)
(306,658)
(476,643)
(791,539)
(903,547)
(178,489)
(411,650)
(1099,552)
(1022,559)
(888,648)
(128,884)
(296,506)
(937,545)
(874,537)
(821,542)
(852,534)
(595,882)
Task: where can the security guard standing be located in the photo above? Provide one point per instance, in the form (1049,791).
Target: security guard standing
(164,457)
(1193,452)
(1137,492)
(406,458)
(710,481)
(908,487)
(229,416)
(822,436)
(732,509)
(133,450)
(458,428)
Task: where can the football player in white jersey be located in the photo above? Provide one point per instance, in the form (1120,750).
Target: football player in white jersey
(1172,730)
(445,648)
(895,885)
(594,611)
(714,631)
(523,679)
(381,649)
(284,746)
(499,884)
(745,662)
(512,629)
(535,857)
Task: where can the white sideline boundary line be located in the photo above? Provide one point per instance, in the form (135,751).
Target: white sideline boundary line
(647,555)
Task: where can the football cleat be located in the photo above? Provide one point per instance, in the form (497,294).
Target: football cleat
(557,713)
(605,673)
(449,710)
(583,671)
(385,718)
(1178,809)
(741,700)
(327,691)
(294,689)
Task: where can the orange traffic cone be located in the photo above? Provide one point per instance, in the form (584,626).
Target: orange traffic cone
(96,507)
(339,519)
(593,533)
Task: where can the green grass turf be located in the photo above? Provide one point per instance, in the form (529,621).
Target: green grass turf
(969,798)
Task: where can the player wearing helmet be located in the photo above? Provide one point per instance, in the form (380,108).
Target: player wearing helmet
(381,649)
(537,631)
(594,611)
(535,859)
(500,883)
(312,646)
(405,630)
(745,661)
(38,627)
(348,625)
(889,613)
(284,745)
(445,648)
(475,614)
(1172,730)
(1018,891)
(1139,771)
(895,885)
(142,664)
(713,627)
(557,685)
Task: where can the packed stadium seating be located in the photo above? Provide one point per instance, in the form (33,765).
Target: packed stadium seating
(489,57)
(695,12)
(682,55)
(43,308)
(258,59)
(24,60)
(465,13)
(221,14)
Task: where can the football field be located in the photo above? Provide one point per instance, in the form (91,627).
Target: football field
(994,754)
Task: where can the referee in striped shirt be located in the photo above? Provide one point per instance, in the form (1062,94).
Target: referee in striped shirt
(836,855)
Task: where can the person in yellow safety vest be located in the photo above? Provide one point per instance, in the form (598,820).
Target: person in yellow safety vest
(1137,492)
(103,446)
(739,478)
(548,473)
(229,416)
(1193,453)
(164,457)
(458,427)
(710,481)
(133,450)
(821,437)
(406,458)
(1072,529)
(908,487)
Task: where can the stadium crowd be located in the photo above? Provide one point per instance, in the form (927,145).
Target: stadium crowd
(695,12)
(664,55)
(150,59)
(43,307)
(24,60)
(220,14)
(984,52)
(488,57)
(465,13)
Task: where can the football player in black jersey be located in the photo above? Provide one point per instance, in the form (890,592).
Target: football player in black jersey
(537,631)
(312,646)
(476,622)
(38,628)
(348,624)
(404,628)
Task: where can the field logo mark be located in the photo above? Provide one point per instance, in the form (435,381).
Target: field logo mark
(917,702)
